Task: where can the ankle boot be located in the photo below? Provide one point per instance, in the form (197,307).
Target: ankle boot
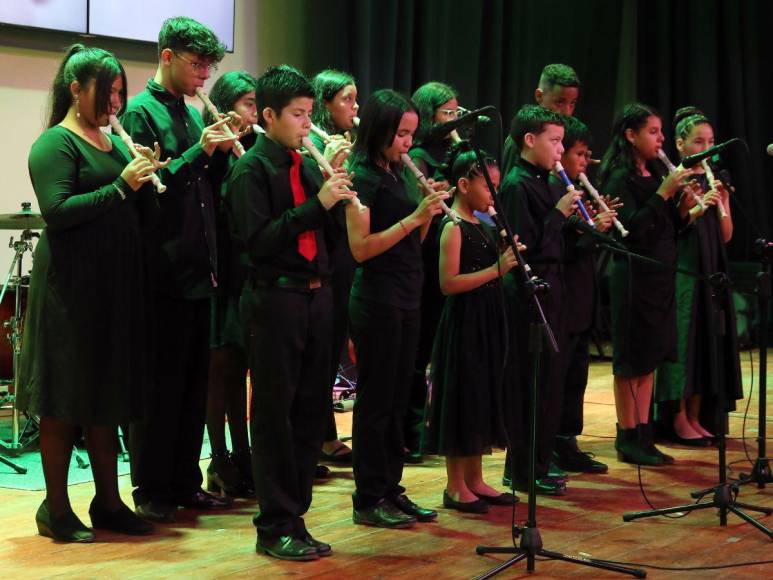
(648,441)
(631,450)
(223,476)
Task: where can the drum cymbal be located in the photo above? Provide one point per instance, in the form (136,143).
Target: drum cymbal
(23,220)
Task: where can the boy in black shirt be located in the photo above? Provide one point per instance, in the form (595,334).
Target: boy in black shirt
(279,210)
(165,447)
(558,90)
(537,213)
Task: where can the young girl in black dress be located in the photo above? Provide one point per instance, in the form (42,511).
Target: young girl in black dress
(465,419)
(85,358)
(231,472)
(642,296)
(384,306)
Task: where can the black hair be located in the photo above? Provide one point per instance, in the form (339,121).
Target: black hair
(228,89)
(279,85)
(183,33)
(461,161)
(85,64)
(532,119)
(427,98)
(327,84)
(686,119)
(620,152)
(575,131)
(379,120)
(558,75)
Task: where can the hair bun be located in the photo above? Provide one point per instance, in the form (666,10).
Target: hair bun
(685,112)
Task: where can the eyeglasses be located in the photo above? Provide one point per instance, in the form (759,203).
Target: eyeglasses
(450,112)
(197,66)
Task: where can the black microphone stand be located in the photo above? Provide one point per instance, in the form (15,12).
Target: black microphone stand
(761,473)
(724,493)
(531,541)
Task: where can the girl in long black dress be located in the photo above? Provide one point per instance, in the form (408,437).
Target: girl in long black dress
(465,418)
(642,295)
(384,306)
(227,390)
(682,386)
(84,361)
(335,109)
(436,103)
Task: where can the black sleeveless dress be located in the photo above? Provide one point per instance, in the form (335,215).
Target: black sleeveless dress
(465,410)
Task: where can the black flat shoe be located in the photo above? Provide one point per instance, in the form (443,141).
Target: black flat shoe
(322,472)
(405,505)
(156,511)
(413,458)
(699,442)
(64,528)
(383,515)
(201,500)
(122,521)
(287,548)
(479,506)
(505,498)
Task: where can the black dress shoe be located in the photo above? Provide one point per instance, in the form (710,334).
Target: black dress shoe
(287,548)
(322,548)
(543,486)
(201,500)
(156,511)
(322,472)
(383,515)
(122,521)
(64,528)
(568,456)
(555,472)
(405,505)
(479,506)
(505,498)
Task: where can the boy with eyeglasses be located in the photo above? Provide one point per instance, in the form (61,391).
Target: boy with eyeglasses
(166,444)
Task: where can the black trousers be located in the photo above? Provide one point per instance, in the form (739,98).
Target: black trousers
(287,336)
(385,339)
(519,378)
(165,447)
(577,355)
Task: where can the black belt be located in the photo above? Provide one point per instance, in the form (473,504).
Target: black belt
(291,283)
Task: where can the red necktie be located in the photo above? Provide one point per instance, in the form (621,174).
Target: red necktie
(307,243)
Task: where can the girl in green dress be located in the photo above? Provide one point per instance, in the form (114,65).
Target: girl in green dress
(85,351)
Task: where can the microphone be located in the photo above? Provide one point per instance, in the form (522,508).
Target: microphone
(470,118)
(769,150)
(483,119)
(692,160)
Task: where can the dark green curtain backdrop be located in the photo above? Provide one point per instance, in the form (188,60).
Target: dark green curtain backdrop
(715,54)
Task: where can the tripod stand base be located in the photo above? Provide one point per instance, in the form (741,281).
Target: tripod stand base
(531,548)
(760,474)
(723,501)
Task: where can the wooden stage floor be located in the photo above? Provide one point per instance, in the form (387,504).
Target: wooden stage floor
(587,520)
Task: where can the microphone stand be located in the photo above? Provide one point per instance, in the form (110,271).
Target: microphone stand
(761,473)
(724,493)
(531,541)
